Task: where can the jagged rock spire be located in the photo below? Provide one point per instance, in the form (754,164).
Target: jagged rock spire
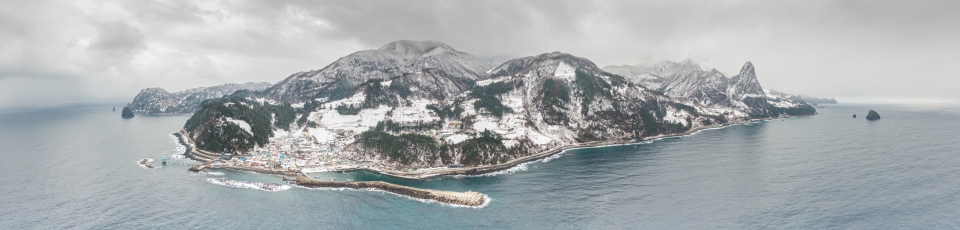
(747,70)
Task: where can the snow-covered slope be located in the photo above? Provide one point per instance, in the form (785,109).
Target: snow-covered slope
(423,104)
(158,100)
(652,75)
(396,59)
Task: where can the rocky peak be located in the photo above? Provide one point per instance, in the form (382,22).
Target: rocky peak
(415,47)
(747,70)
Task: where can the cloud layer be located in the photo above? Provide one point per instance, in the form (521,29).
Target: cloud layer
(56,52)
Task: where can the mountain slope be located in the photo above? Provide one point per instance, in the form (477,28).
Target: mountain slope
(422,104)
(158,100)
(401,58)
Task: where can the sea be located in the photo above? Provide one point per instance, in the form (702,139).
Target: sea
(76,167)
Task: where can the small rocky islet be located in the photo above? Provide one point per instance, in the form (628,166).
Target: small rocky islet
(873,115)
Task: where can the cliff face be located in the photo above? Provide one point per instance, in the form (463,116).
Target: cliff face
(158,100)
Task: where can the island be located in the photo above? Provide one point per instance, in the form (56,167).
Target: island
(421,109)
(873,115)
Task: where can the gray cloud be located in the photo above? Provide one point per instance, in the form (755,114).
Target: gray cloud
(105,51)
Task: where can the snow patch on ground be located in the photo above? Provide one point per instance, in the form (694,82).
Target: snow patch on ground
(480,126)
(456,138)
(565,71)
(417,112)
(243,124)
(490,81)
(322,135)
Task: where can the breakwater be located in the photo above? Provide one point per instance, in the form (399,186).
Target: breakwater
(473,199)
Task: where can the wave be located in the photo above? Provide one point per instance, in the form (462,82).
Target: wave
(178,148)
(486,199)
(518,168)
(216,173)
(270,187)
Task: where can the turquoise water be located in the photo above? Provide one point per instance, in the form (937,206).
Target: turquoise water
(76,167)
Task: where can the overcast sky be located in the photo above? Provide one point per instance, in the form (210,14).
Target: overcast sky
(64,52)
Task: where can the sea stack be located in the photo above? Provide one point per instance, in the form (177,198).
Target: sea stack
(873,115)
(126,113)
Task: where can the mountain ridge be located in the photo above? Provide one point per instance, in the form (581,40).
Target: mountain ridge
(422,104)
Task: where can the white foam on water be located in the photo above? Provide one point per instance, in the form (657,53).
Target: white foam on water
(518,168)
(270,187)
(216,173)
(178,148)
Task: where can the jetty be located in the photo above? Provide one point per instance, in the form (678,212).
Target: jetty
(470,198)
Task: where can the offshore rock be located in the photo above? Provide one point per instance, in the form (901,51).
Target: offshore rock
(873,115)
(126,113)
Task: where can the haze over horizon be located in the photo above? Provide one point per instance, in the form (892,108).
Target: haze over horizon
(57,53)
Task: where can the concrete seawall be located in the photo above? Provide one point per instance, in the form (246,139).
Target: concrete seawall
(473,199)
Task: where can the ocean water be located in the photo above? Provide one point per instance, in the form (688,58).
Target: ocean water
(76,168)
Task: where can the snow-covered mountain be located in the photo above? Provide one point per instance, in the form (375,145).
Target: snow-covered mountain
(652,75)
(686,81)
(400,58)
(424,104)
(158,100)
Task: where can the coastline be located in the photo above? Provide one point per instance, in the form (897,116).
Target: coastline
(206,157)
(480,170)
(469,198)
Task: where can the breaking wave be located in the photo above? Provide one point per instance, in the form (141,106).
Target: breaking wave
(271,187)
